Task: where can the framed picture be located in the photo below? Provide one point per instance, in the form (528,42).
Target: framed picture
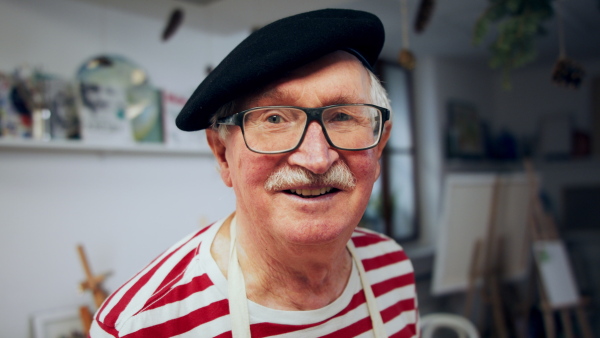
(60,99)
(556,273)
(465,137)
(103,112)
(172,104)
(465,219)
(145,113)
(554,136)
(61,323)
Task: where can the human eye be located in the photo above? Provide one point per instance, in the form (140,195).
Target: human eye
(274,118)
(341,117)
(265,116)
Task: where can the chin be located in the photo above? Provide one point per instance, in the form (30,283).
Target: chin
(319,233)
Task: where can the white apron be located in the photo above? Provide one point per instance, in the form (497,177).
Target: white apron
(238,303)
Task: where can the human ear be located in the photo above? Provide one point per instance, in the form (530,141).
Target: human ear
(218,147)
(385,136)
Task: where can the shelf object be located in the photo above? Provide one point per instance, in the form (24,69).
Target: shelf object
(79,146)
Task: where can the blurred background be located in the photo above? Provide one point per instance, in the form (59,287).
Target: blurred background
(89,153)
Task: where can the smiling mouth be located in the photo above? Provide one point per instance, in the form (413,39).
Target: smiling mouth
(309,193)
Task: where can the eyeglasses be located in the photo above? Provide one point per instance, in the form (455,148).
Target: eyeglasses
(280,129)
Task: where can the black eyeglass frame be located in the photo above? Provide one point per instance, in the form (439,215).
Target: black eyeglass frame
(313,114)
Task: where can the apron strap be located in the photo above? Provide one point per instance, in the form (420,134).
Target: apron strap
(376,321)
(238,303)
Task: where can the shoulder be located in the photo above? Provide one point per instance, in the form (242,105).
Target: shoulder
(383,258)
(391,275)
(151,286)
(369,240)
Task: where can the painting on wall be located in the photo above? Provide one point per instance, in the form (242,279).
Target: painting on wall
(62,323)
(465,137)
(555,136)
(466,219)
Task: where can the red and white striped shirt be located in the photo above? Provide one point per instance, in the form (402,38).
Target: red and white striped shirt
(182,293)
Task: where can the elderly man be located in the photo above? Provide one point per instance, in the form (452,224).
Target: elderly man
(297,123)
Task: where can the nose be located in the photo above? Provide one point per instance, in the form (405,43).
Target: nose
(315,153)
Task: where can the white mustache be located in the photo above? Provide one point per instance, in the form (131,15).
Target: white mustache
(338,176)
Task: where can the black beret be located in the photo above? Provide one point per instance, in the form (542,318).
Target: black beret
(278,48)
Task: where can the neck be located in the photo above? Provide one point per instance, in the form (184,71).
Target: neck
(283,276)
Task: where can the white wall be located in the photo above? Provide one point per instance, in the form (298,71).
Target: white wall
(518,110)
(534,96)
(59,35)
(437,81)
(125,207)
(128,207)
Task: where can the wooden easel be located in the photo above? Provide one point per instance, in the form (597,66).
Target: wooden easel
(489,272)
(93,284)
(543,227)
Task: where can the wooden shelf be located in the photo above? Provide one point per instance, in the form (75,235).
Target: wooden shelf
(457,165)
(79,146)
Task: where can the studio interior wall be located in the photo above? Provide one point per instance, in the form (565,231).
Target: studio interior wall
(124,207)
(128,207)
(533,99)
(438,81)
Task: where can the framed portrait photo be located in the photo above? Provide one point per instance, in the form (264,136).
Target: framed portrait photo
(465,137)
(60,323)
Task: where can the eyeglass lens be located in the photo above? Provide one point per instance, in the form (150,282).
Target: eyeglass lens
(275,129)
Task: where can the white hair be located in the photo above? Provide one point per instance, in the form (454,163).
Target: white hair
(378,95)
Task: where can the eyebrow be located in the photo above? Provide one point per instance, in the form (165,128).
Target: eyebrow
(279,95)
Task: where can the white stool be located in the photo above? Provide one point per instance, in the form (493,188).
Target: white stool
(461,325)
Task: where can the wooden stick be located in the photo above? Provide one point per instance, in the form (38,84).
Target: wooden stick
(548,319)
(584,324)
(565,318)
(489,257)
(86,319)
(92,283)
(84,262)
(499,320)
(474,271)
(543,227)
(534,212)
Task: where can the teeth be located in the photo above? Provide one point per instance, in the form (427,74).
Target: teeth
(311,192)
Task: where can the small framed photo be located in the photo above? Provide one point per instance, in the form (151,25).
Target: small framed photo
(555,136)
(465,137)
(60,323)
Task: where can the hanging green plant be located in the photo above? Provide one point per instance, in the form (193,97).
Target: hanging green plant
(518,22)
(566,72)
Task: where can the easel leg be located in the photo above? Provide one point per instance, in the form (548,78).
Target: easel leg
(548,321)
(86,318)
(565,317)
(473,273)
(499,320)
(583,322)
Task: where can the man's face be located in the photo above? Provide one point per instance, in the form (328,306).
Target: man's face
(285,215)
(102,98)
